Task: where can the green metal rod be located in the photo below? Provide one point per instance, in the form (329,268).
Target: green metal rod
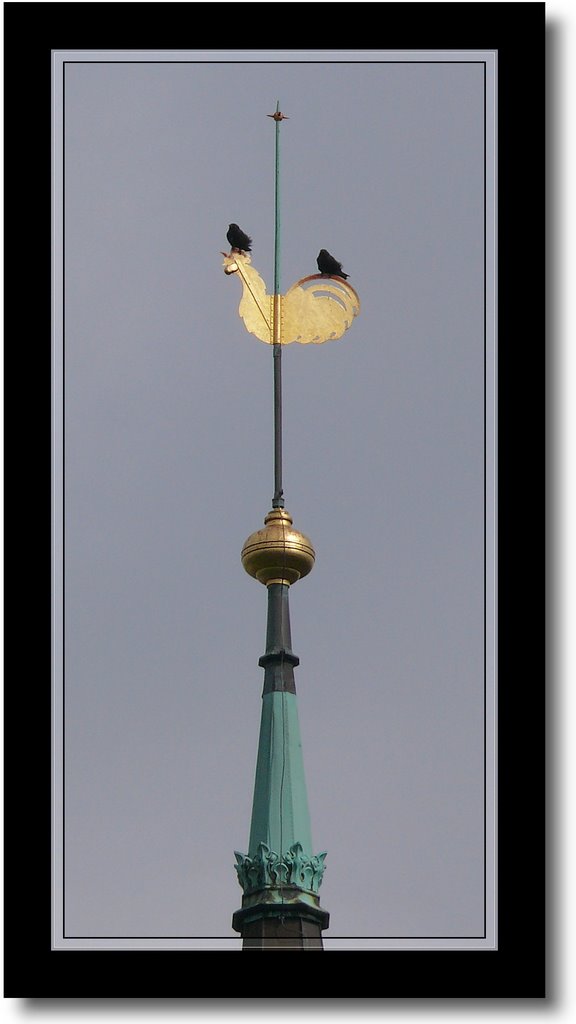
(277,206)
(278,500)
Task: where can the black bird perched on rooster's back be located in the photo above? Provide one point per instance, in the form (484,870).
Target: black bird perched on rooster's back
(239,241)
(328,265)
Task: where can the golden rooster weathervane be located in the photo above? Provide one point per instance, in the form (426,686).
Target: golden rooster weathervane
(317,308)
(310,311)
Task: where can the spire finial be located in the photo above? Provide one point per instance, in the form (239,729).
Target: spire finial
(278,115)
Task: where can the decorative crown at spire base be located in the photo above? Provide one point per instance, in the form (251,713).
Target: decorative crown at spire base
(270,870)
(280,886)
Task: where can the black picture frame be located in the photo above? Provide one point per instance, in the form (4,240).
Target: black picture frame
(516,969)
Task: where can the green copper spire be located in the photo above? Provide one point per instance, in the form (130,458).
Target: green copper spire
(280,814)
(280,875)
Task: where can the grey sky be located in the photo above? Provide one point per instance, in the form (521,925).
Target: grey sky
(168,404)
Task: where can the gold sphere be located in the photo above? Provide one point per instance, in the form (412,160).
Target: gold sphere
(278,553)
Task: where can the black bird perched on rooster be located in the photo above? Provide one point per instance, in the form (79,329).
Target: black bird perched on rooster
(328,265)
(239,241)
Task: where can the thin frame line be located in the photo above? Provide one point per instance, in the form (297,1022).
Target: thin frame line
(310,63)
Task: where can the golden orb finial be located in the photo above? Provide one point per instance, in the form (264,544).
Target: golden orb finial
(278,553)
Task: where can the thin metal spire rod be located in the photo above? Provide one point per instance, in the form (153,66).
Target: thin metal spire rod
(278,500)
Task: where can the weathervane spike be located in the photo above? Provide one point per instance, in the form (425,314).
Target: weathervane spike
(280,875)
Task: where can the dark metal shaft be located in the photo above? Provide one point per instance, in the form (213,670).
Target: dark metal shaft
(279,660)
(278,500)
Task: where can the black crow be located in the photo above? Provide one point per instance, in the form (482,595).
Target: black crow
(238,240)
(328,265)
